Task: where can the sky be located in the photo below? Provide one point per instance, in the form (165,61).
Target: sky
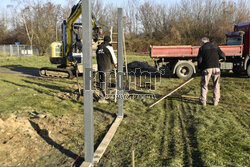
(118,3)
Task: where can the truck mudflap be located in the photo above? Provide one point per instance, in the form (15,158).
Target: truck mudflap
(56,72)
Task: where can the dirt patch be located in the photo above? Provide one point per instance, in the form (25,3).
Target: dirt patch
(18,139)
(26,140)
(143,66)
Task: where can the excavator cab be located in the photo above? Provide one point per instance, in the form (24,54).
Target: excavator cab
(56,53)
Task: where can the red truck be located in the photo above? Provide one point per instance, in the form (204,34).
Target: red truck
(182,60)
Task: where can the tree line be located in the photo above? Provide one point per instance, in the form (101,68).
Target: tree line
(145,22)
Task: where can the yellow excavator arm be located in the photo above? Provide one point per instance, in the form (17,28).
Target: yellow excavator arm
(75,14)
(61,52)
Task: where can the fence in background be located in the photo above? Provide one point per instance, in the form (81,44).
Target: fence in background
(18,50)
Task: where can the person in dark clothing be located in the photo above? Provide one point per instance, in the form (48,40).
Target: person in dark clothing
(208,62)
(76,43)
(106,61)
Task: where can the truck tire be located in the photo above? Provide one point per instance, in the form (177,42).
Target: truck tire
(184,70)
(248,70)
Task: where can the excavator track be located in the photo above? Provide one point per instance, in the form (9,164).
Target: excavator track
(56,72)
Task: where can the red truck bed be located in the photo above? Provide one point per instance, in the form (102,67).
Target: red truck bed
(190,51)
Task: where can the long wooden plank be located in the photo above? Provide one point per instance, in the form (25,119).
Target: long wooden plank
(189,97)
(171,92)
(86,164)
(107,139)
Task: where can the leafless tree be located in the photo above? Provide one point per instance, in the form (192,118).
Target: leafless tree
(146,13)
(3,26)
(183,22)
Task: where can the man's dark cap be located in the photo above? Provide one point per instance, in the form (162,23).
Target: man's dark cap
(107,39)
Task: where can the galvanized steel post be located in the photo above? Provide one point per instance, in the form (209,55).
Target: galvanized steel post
(18,54)
(11,50)
(4,50)
(87,81)
(120,62)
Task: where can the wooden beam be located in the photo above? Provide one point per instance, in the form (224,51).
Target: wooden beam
(86,164)
(171,92)
(107,139)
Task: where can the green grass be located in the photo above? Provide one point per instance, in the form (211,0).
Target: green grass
(30,61)
(175,132)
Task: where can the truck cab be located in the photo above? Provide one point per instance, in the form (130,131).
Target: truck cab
(182,60)
(245,27)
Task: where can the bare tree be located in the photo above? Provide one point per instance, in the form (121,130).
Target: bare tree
(28,24)
(184,22)
(146,17)
(132,22)
(3,26)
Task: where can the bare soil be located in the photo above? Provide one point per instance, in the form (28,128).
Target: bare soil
(25,140)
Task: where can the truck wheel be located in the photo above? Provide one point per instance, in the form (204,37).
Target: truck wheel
(248,70)
(184,71)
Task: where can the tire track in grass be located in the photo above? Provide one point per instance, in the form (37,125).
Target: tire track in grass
(239,114)
(164,158)
(156,147)
(246,109)
(171,135)
(186,146)
(238,119)
(181,146)
(193,157)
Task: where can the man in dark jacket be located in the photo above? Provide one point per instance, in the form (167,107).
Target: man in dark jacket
(208,62)
(106,61)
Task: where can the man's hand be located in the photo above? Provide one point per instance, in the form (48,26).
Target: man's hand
(115,65)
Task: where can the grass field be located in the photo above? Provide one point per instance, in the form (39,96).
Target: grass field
(175,132)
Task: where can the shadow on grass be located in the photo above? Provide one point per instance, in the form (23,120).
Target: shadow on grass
(234,75)
(43,133)
(157,74)
(195,154)
(53,87)
(30,71)
(105,112)
(193,143)
(102,135)
(38,90)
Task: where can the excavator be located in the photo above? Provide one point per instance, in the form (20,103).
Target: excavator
(67,53)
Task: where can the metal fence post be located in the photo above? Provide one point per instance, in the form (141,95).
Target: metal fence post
(120,62)
(10,50)
(87,72)
(4,50)
(18,50)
